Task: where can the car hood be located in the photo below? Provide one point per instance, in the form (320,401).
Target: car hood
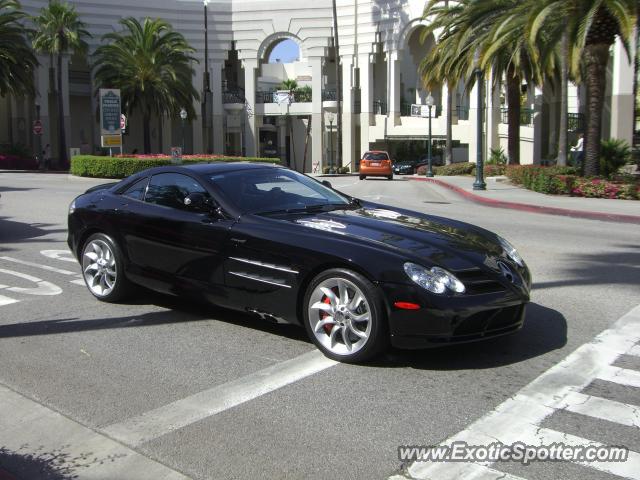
(437,240)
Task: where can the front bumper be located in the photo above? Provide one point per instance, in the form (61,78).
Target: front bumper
(446,320)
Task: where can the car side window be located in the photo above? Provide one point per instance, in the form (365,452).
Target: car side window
(137,190)
(170,190)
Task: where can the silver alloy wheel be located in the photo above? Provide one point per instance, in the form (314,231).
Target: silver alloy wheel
(340,316)
(99,268)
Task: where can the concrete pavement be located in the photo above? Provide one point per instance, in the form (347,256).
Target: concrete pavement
(502,194)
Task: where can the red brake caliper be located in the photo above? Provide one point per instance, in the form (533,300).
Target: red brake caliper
(323,315)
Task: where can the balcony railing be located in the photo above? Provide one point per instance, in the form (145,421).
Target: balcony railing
(575,122)
(526,116)
(329,94)
(232,94)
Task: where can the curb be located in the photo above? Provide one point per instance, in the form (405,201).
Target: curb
(564,212)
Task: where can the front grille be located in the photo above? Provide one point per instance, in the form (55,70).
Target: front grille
(489,321)
(477,282)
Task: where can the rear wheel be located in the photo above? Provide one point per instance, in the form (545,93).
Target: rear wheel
(362,177)
(102,269)
(390,177)
(344,316)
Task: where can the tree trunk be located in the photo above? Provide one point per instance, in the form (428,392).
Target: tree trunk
(62,137)
(336,43)
(146,132)
(306,145)
(564,102)
(448,150)
(595,58)
(513,102)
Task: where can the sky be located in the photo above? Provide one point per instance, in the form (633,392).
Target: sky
(287,51)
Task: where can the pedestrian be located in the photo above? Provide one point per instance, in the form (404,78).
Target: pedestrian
(46,157)
(578,150)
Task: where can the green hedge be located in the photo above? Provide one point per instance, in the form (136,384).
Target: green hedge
(542,179)
(121,167)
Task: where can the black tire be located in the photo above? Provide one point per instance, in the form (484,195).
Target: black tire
(390,177)
(362,177)
(372,307)
(117,285)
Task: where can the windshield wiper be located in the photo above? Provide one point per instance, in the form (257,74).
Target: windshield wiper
(321,207)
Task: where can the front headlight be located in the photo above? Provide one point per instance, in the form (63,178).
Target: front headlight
(435,279)
(72,207)
(511,252)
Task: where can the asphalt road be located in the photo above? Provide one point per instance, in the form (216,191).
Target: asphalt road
(102,365)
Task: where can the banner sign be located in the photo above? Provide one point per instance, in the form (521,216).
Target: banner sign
(109,111)
(418,110)
(111,140)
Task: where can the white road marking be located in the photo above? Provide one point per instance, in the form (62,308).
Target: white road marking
(30,428)
(7,301)
(622,376)
(518,419)
(64,255)
(168,418)
(38,265)
(43,287)
(603,408)
(635,351)
(474,471)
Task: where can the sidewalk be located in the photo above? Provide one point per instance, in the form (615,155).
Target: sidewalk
(502,194)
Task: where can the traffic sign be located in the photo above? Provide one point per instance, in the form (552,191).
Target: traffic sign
(111,140)
(123,121)
(37,127)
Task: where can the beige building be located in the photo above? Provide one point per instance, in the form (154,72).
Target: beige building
(380,49)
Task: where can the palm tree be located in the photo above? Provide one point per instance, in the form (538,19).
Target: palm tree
(151,64)
(17,61)
(58,32)
(591,27)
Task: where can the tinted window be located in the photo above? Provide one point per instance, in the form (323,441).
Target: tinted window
(376,156)
(136,191)
(170,190)
(273,189)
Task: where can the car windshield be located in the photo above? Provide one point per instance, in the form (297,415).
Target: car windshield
(376,156)
(276,190)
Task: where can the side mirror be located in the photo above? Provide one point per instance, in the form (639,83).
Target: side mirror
(327,183)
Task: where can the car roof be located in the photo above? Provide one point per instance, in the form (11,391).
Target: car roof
(376,151)
(209,168)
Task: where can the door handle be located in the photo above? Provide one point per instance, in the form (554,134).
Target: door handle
(239,241)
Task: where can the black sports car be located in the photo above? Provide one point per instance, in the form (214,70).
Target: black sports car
(268,240)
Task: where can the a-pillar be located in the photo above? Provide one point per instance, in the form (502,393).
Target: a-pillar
(348,148)
(250,133)
(622,101)
(316,114)
(393,84)
(218,111)
(366,99)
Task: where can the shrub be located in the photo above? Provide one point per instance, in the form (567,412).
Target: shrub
(466,168)
(120,167)
(343,170)
(614,154)
(497,157)
(492,170)
(599,188)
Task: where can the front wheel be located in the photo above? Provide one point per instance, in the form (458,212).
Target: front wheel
(344,316)
(102,269)
(361,177)
(390,177)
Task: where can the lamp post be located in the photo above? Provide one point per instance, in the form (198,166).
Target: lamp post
(183,117)
(430,102)
(207,97)
(331,117)
(479,184)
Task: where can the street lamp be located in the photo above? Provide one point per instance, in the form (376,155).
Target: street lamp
(38,139)
(331,117)
(479,184)
(183,117)
(430,103)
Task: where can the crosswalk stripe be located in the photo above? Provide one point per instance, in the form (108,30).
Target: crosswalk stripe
(470,471)
(155,423)
(603,408)
(518,418)
(630,469)
(621,376)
